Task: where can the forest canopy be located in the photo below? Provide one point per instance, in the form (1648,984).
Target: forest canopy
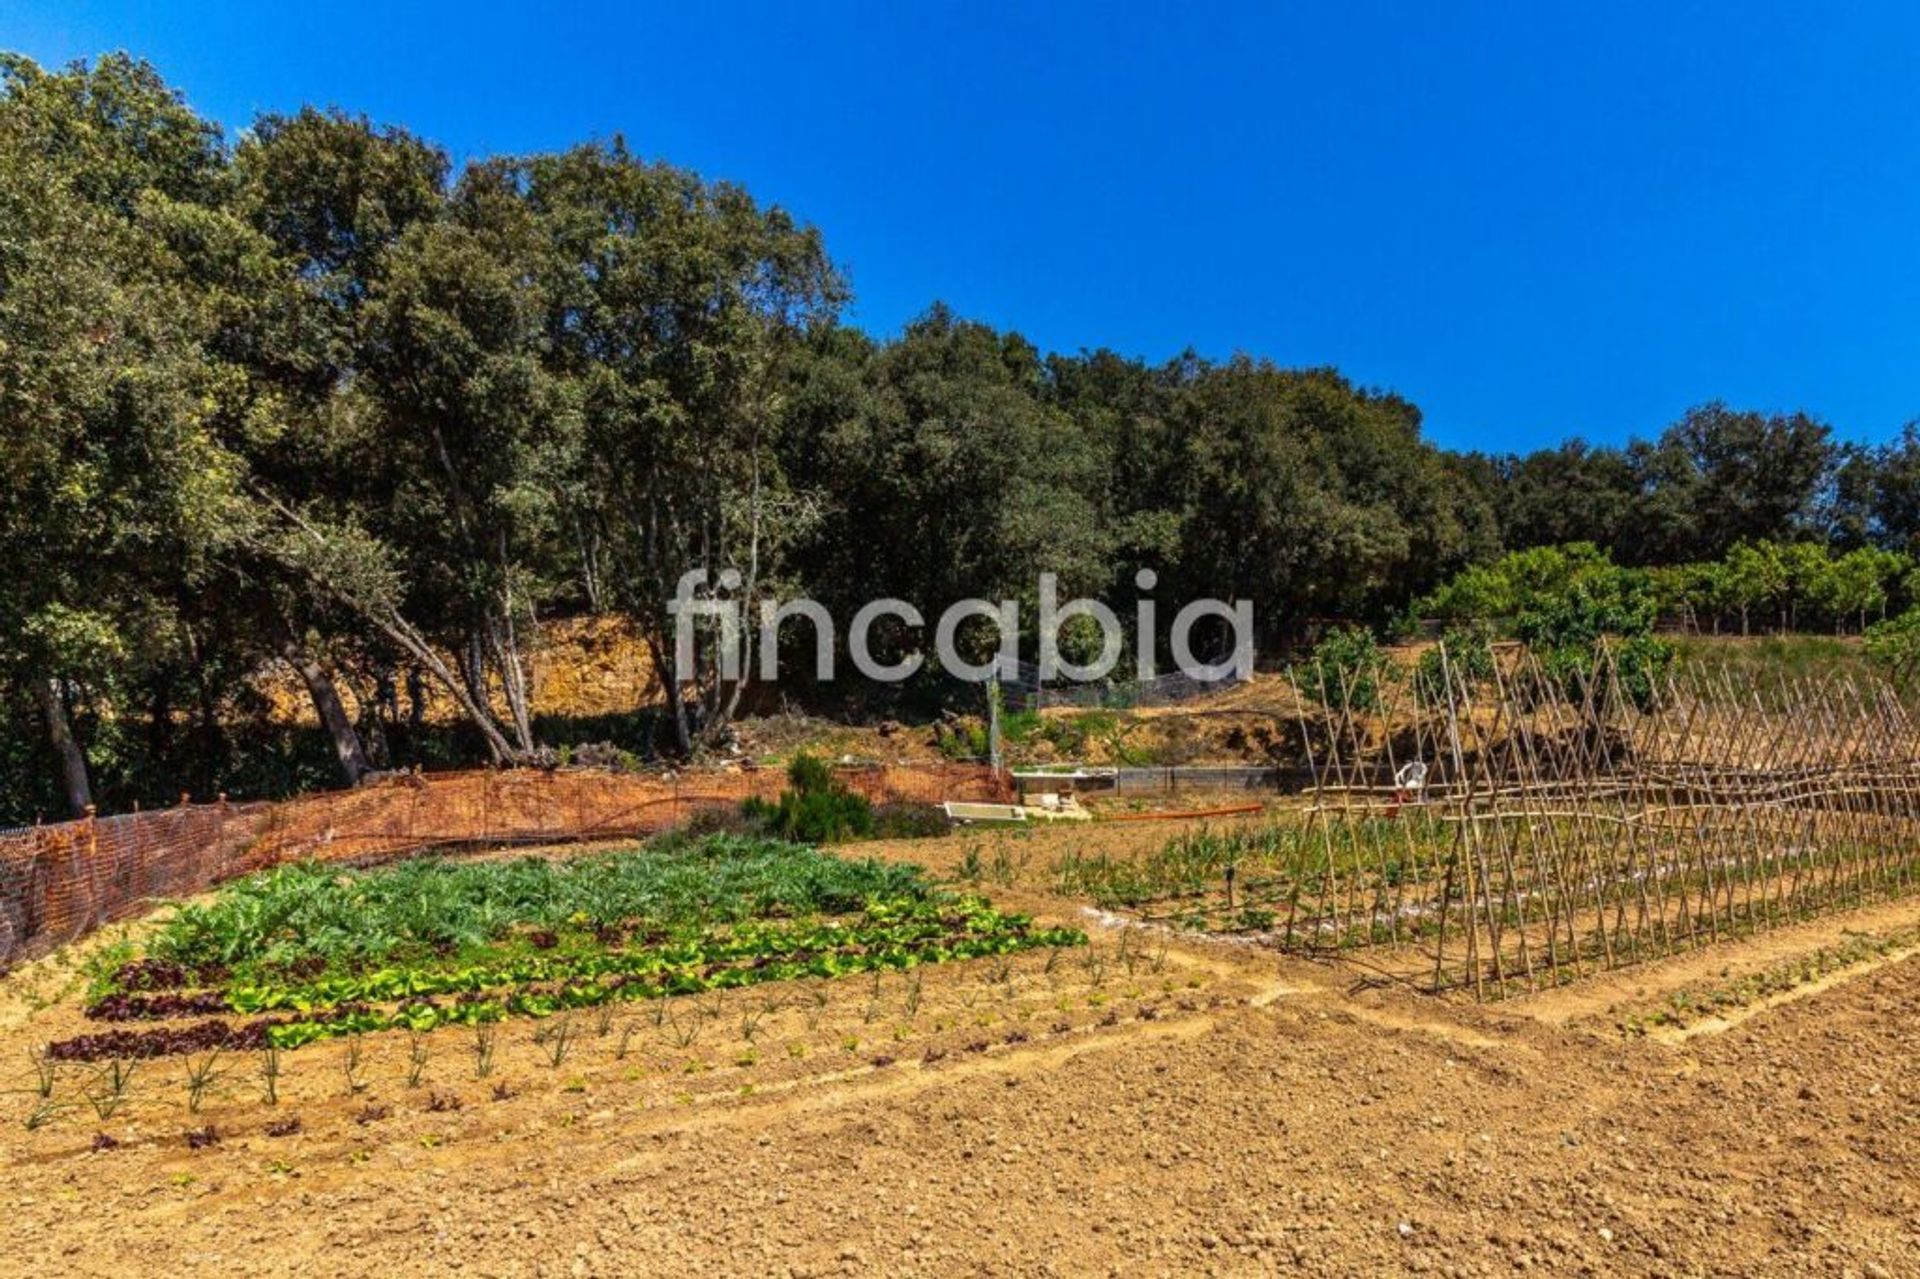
(313,393)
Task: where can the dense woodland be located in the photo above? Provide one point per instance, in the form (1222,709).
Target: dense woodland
(308,393)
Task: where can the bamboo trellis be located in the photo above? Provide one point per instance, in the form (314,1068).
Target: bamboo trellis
(1526,826)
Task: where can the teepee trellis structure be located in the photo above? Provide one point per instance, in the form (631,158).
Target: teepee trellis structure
(1563,820)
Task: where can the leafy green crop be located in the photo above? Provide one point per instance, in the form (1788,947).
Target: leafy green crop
(310,914)
(311,952)
(897,934)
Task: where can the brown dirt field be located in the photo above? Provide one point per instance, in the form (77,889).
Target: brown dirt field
(1179,1106)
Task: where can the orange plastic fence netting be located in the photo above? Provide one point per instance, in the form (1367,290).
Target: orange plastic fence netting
(59,882)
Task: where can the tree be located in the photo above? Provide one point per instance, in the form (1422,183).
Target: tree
(949,455)
(329,195)
(1847,508)
(1895,492)
(114,490)
(1856,584)
(1752,476)
(472,426)
(1572,493)
(1806,565)
(674,305)
(1305,495)
(1756,574)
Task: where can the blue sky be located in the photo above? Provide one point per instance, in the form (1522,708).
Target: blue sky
(1533,220)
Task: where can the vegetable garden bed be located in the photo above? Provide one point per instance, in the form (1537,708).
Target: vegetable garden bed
(306,953)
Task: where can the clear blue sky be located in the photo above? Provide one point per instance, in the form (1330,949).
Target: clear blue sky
(1533,220)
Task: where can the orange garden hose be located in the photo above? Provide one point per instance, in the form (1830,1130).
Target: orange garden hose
(1234,811)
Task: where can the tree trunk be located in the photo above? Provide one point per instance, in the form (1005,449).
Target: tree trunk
(385,616)
(473,669)
(401,632)
(676,703)
(504,652)
(213,741)
(348,750)
(587,543)
(749,588)
(73,764)
(373,735)
(213,738)
(160,719)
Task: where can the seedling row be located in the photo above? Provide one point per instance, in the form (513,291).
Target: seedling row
(633,926)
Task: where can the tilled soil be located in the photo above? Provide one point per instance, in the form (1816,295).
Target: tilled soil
(1157,1106)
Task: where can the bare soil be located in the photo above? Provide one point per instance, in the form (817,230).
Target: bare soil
(1157,1104)
(580,666)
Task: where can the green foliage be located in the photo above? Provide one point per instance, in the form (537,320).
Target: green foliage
(1464,652)
(1279,854)
(1591,604)
(1716,477)
(324,395)
(529,944)
(1578,587)
(807,773)
(1763,660)
(1557,593)
(815,808)
(1346,668)
(1585,618)
(1066,734)
(1071,735)
(1792,584)
(1894,645)
(963,740)
(310,911)
(1639,664)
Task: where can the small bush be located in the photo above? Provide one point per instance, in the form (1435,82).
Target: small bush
(962,739)
(1346,668)
(815,808)
(1469,659)
(810,773)
(1894,645)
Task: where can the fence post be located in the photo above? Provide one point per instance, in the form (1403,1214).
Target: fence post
(223,855)
(86,921)
(993,723)
(133,881)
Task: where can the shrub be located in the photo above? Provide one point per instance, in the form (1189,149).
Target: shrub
(1893,645)
(810,773)
(1563,602)
(963,739)
(1017,728)
(1638,663)
(815,808)
(1469,659)
(1348,668)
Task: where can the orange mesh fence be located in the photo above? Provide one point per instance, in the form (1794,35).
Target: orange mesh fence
(60,882)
